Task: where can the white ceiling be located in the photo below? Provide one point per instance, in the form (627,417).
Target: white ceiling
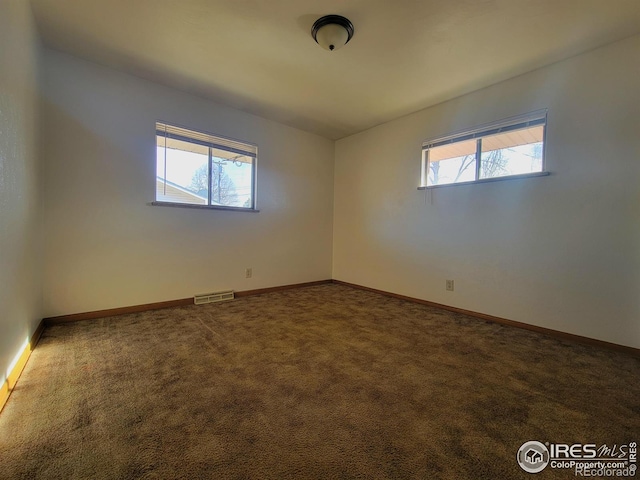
(258,56)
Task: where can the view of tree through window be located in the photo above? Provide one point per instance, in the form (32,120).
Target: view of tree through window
(501,150)
(195,168)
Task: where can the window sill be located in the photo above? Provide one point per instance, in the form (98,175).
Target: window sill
(487,180)
(203,207)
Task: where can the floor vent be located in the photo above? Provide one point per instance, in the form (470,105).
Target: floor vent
(213,297)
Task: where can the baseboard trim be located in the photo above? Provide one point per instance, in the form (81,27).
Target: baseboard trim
(503,321)
(7,387)
(112,312)
(260,291)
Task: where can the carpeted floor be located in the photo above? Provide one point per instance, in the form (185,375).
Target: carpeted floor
(319,382)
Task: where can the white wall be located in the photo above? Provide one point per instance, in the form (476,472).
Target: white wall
(20,293)
(106,247)
(561,252)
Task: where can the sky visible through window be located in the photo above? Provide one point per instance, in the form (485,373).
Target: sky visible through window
(182,169)
(517,160)
(494,163)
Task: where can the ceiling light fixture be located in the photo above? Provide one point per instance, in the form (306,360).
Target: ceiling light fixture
(332,31)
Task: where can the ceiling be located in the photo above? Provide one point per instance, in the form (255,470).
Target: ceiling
(258,56)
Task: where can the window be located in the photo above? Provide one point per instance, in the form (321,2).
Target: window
(195,168)
(506,149)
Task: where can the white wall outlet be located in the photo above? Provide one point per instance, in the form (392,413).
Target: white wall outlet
(248,272)
(449,285)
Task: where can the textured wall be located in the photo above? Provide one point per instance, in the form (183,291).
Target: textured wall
(20,293)
(561,251)
(105,246)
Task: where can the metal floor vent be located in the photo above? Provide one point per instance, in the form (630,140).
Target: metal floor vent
(213,297)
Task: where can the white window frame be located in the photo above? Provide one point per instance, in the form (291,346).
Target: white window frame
(211,141)
(538,117)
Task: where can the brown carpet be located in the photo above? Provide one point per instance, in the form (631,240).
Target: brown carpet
(319,382)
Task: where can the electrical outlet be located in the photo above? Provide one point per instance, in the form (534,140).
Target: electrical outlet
(248,272)
(449,285)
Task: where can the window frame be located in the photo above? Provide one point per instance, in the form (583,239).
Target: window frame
(531,119)
(211,141)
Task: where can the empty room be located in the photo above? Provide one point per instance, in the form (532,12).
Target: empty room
(303,240)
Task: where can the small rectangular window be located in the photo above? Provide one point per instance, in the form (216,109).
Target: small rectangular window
(510,148)
(196,168)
